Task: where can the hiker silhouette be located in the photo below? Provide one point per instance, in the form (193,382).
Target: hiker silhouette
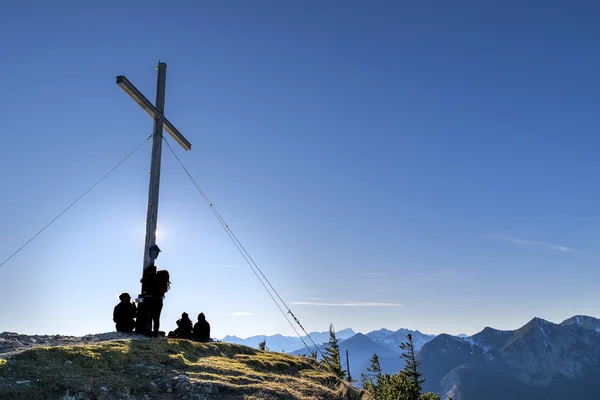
(202,329)
(124,314)
(152,302)
(184,327)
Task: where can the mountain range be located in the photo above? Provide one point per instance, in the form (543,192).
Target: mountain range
(288,344)
(360,347)
(538,361)
(384,343)
(541,360)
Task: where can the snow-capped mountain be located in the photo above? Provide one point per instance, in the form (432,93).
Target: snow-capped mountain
(392,339)
(586,322)
(291,344)
(288,343)
(540,360)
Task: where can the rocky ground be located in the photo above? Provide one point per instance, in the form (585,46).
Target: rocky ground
(118,366)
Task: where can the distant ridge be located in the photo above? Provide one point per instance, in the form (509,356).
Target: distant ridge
(540,360)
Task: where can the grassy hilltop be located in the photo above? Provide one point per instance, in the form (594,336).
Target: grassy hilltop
(165,369)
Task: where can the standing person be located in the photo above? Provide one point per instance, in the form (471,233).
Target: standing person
(202,329)
(124,314)
(153,290)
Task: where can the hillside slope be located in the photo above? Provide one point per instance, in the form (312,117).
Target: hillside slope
(164,369)
(540,360)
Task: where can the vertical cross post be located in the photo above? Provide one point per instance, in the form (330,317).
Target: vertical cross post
(160,122)
(157,136)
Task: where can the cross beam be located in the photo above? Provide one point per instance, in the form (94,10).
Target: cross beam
(143,102)
(160,121)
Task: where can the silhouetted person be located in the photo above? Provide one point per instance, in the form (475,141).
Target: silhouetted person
(124,314)
(153,299)
(202,329)
(184,327)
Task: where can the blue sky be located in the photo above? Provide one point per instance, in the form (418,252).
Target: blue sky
(430,165)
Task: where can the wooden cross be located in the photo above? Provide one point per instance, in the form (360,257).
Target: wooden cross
(160,121)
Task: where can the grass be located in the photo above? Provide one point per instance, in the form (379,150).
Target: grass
(126,369)
(3,368)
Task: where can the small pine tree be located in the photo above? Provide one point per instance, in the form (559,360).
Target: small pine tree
(398,386)
(375,367)
(263,345)
(331,354)
(410,371)
(370,380)
(394,387)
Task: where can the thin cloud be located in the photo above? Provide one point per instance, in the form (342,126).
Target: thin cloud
(375,274)
(515,240)
(348,304)
(240,314)
(473,258)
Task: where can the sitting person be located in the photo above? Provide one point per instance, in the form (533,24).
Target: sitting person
(124,314)
(184,327)
(202,329)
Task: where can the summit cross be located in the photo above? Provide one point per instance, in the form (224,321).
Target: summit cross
(160,121)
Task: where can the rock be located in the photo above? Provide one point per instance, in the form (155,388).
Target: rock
(183,378)
(207,388)
(68,362)
(83,396)
(183,387)
(104,389)
(23,382)
(68,396)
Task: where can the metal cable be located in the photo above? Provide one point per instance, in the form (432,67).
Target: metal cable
(73,203)
(251,263)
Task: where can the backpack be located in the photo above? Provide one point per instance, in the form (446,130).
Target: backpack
(162,282)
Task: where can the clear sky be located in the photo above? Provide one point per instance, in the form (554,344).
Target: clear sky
(429,165)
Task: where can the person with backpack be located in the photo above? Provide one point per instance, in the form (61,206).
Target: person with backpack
(202,329)
(154,286)
(124,314)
